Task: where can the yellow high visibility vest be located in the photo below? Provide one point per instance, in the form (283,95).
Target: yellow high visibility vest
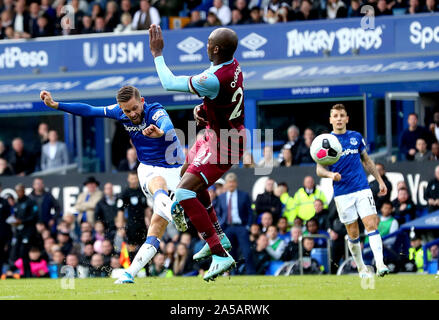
(304,203)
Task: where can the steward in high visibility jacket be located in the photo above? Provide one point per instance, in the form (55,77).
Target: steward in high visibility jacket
(289,210)
(417,255)
(304,202)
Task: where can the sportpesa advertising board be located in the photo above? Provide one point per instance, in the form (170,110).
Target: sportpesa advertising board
(383,35)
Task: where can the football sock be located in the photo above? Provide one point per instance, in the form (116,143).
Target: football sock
(199,217)
(146,252)
(204,198)
(355,249)
(162,204)
(376,244)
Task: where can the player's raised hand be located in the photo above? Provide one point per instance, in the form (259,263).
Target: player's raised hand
(156,42)
(47,99)
(336,176)
(198,116)
(383,190)
(153,131)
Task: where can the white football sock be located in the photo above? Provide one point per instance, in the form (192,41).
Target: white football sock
(376,244)
(355,249)
(162,205)
(143,256)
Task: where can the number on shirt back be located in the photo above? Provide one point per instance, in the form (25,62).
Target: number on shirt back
(237,111)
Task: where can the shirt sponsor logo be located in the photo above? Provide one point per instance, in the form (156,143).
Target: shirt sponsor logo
(253,41)
(139,127)
(190,45)
(348,152)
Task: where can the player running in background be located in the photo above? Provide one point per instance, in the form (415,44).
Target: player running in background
(352,193)
(221,87)
(158,150)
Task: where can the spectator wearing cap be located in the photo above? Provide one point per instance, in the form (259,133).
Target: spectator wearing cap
(303,155)
(431,194)
(145,16)
(236,216)
(221,11)
(54,154)
(87,200)
(422,154)
(407,142)
(287,156)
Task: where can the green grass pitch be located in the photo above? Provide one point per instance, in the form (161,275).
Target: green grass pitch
(228,288)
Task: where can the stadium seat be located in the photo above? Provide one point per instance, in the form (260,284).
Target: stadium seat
(164,23)
(273,266)
(398,11)
(432,267)
(321,255)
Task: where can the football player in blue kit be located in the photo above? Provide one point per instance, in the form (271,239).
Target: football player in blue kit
(352,194)
(160,155)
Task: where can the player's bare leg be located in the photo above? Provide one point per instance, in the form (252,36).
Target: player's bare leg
(376,243)
(354,245)
(186,195)
(161,207)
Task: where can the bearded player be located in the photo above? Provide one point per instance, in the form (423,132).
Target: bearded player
(160,155)
(352,194)
(221,87)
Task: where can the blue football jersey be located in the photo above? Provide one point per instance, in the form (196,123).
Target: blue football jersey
(353,177)
(165,151)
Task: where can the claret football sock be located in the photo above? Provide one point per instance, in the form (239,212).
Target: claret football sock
(376,244)
(204,198)
(355,249)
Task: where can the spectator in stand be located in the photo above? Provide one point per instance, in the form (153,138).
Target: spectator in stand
(266,221)
(332,8)
(37,265)
(48,10)
(54,154)
(4,154)
(255,232)
(241,6)
(169,254)
(255,16)
(291,251)
(46,204)
(5,231)
(434,127)
(85,257)
(388,224)
(87,25)
(107,252)
(430,7)
(303,155)
(99,26)
(235,216)
(268,202)
(130,163)
(276,245)
(22,161)
(322,214)
(294,140)
(312,228)
(158,268)
(407,145)
(99,236)
(259,255)
(125,25)
(405,209)
(97,267)
(221,11)
(434,152)
(268,160)
(112,16)
(21,18)
(169,8)
(196,21)
(145,16)
(212,20)
(236,18)
(125,7)
(96,11)
(270,16)
(72,260)
(34,10)
(106,209)
(282,227)
(57,263)
(374,186)
(247,160)
(287,201)
(183,263)
(287,156)
(383,9)
(354,9)
(78,16)
(87,200)
(414,7)
(306,11)
(44,27)
(431,194)
(285,13)
(65,242)
(5,168)
(304,199)
(422,154)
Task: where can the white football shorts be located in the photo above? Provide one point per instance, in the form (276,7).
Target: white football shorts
(353,205)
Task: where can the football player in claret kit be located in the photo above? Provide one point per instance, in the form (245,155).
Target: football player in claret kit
(221,87)
(160,155)
(352,195)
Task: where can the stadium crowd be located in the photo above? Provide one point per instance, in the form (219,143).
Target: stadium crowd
(24,19)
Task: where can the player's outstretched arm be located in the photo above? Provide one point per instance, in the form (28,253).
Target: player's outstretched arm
(369,166)
(169,81)
(79,109)
(322,172)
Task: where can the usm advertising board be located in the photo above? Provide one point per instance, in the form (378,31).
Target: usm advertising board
(387,35)
(66,188)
